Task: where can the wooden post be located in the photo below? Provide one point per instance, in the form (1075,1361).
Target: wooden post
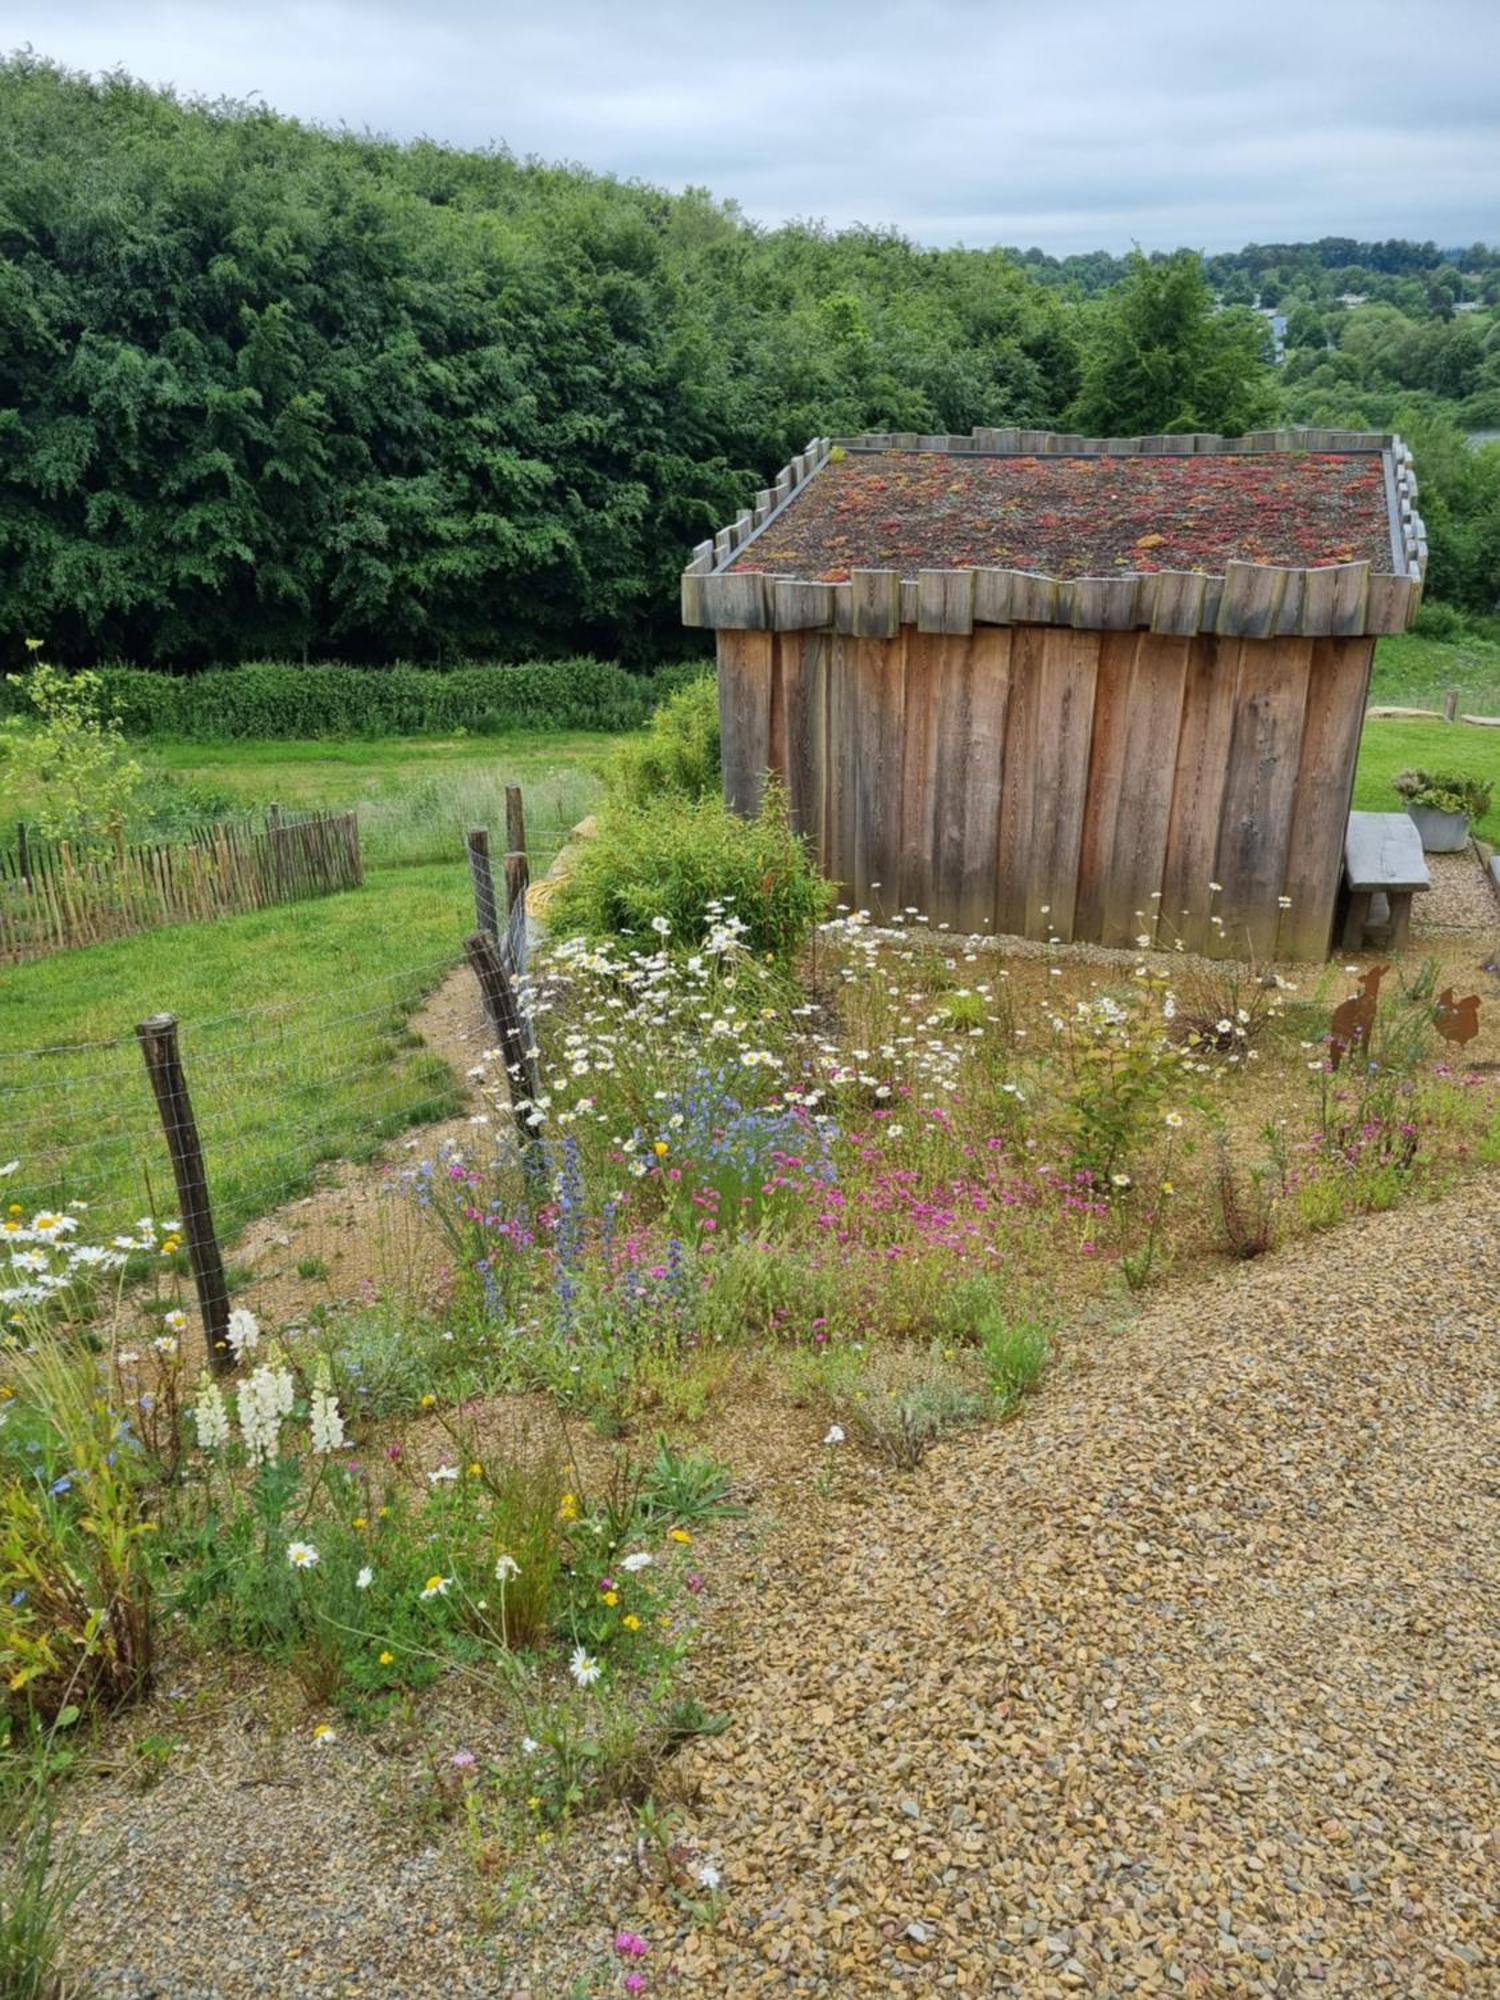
(158,1039)
(1450,705)
(515,820)
(483,880)
(517,882)
(278,851)
(23,852)
(511,1033)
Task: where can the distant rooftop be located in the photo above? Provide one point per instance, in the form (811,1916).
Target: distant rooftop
(1076,516)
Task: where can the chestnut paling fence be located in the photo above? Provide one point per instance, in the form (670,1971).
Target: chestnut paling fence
(55,896)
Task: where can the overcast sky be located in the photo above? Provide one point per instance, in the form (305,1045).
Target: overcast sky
(1073,124)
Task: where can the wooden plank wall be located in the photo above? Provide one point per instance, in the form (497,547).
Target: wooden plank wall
(1056,783)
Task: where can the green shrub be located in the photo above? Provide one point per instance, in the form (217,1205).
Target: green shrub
(1441,621)
(279,699)
(670,860)
(1445,791)
(679,753)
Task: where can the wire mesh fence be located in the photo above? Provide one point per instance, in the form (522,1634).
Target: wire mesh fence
(278,1092)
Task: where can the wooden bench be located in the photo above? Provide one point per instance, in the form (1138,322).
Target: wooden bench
(1382,858)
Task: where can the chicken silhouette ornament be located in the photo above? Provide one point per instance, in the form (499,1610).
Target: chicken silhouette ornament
(1456,1020)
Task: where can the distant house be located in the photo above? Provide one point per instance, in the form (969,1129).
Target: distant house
(1062,686)
(1277,322)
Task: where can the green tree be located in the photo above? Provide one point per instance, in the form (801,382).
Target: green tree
(1161,357)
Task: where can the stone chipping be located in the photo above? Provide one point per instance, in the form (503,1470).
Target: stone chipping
(1182,1682)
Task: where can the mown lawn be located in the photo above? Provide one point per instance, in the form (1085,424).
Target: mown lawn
(293,1034)
(415,795)
(293,1019)
(1387,747)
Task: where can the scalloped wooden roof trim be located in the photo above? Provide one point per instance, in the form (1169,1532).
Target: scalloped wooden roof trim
(1249,600)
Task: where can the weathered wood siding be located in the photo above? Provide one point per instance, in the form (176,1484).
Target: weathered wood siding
(1058,783)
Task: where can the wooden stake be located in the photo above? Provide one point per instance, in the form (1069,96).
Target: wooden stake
(1450,705)
(515,820)
(483,880)
(158,1039)
(517,882)
(509,1025)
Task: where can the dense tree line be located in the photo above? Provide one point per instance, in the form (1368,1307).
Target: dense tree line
(268,391)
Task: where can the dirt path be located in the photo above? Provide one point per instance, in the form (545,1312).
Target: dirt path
(1184,1682)
(349,1237)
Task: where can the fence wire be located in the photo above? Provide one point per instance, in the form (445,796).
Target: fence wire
(279,1093)
(276,1093)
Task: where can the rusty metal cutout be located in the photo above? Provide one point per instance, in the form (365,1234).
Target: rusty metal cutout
(1354,1019)
(1456,1020)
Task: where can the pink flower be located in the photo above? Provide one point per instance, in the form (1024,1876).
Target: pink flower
(635,1982)
(463,1760)
(630,1944)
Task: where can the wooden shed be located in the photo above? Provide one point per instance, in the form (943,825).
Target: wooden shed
(1064,686)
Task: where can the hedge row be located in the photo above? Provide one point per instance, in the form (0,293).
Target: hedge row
(291,701)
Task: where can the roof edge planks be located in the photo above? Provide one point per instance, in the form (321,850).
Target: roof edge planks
(1246,600)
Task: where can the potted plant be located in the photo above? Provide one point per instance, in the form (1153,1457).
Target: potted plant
(1442,804)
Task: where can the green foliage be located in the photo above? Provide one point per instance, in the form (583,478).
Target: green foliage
(277,392)
(896,1402)
(669,860)
(679,753)
(75,1597)
(41,1878)
(1160,358)
(279,700)
(73,758)
(1445,791)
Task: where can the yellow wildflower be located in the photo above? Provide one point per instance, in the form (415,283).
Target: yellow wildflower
(568,1507)
(679,1535)
(360,1521)
(387,1659)
(476,1470)
(661,1149)
(611,1597)
(428,1400)
(631,1622)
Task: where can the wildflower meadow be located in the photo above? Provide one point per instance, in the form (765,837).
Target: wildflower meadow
(873,1181)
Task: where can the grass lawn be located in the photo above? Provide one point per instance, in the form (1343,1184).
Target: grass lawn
(294,1019)
(293,1035)
(416,795)
(1414,671)
(1387,747)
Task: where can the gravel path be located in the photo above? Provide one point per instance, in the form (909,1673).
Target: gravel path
(1460,897)
(1184,1682)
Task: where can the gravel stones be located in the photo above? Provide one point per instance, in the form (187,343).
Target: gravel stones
(1183,1682)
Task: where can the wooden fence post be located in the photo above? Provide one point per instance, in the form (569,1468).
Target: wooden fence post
(515,820)
(158,1039)
(511,1032)
(23,852)
(278,851)
(478,841)
(1450,705)
(517,882)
